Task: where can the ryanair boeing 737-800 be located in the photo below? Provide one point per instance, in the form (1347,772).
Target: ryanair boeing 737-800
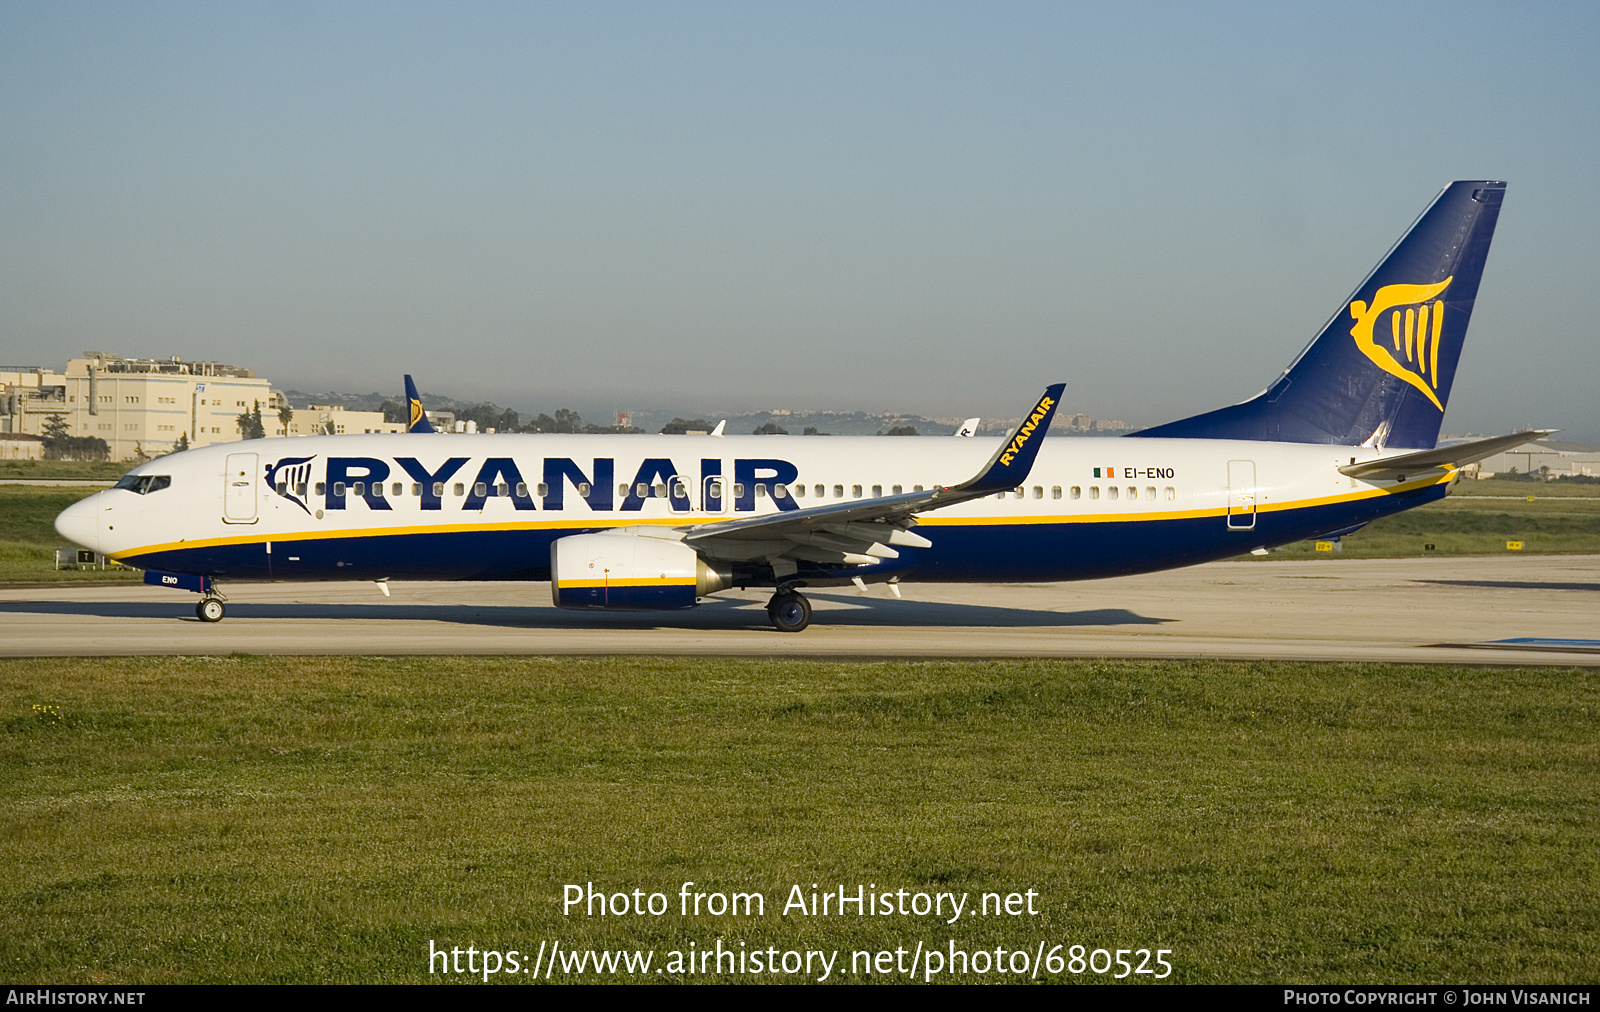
(1347,434)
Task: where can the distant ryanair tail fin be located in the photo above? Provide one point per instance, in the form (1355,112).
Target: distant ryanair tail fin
(417,418)
(1388,357)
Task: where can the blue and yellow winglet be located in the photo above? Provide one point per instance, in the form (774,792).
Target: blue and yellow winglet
(1011,464)
(417,418)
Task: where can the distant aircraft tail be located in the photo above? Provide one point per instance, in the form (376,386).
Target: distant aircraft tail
(418,418)
(1384,364)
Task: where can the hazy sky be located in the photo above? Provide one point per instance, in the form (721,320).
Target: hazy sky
(700,207)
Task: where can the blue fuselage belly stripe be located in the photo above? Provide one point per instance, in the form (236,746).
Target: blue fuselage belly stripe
(977,552)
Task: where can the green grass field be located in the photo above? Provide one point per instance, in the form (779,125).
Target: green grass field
(28,538)
(1476,522)
(55,469)
(313,819)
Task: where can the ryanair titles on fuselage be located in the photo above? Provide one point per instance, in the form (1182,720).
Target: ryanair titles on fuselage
(595,483)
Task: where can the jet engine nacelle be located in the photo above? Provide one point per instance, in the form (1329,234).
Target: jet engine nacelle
(631,569)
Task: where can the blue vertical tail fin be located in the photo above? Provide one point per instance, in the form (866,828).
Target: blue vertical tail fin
(1385,362)
(417,419)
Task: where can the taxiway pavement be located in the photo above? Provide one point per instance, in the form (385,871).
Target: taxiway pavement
(1412,610)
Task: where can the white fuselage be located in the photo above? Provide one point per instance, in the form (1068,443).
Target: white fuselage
(488,506)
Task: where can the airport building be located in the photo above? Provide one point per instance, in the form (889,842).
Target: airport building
(1563,459)
(332,420)
(140,407)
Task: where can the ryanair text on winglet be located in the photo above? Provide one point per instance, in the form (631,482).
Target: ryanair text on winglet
(1025,432)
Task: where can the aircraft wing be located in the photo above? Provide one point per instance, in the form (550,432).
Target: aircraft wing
(1454,455)
(863,531)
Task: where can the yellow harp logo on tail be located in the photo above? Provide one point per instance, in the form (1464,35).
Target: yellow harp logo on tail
(1418,330)
(416,413)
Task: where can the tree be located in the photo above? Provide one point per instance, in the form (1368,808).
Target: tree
(394,411)
(60,444)
(182,443)
(771,429)
(903,430)
(285,416)
(55,436)
(678,426)
(249,423)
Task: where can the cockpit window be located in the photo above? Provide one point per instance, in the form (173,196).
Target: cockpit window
(144,484)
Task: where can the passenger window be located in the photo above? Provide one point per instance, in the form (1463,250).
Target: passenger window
(583,489)
(898,489)
(622,490)
(738,490)
(1038,491)
(782,491)
(1055,491)
(877,491)
(916,488)
(322,488)
(1111,492)
(1018,492)
(359,488)
(761,490)
(820,489)
(460,489)
(416,488)
(1172,493)
(1150,493)
(283,488)
(679,489)
(838,491)
(1133,493)
(659,490)
(522,490)
(397,489)
(800,491)
(438,490)
(480,489)
(855,491)
(1077,492)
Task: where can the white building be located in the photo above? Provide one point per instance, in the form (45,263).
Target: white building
(140,407)
(330,419)
(1562,458)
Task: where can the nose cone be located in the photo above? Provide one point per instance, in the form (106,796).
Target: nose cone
(80,523)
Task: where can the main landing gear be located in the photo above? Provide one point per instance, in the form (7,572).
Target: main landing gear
(789,611)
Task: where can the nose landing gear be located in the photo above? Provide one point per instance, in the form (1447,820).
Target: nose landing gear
(210,609)
(789,611)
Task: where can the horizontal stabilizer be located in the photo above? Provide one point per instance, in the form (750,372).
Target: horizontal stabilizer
(1455,455)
